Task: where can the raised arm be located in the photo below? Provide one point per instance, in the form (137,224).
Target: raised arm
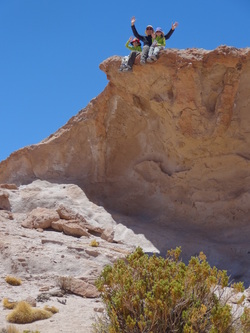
(127,44)
(169,34)
(134,29)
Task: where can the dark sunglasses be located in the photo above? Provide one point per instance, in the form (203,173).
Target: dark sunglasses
(149,28)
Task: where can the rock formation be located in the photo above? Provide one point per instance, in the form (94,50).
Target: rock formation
(166,148)
(57,242)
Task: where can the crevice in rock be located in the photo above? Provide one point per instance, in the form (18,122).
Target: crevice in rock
(244,156)
(94,233)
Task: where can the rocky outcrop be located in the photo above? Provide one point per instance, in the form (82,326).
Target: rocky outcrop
(58,265)
(165,149)
(170,139)
(59,270)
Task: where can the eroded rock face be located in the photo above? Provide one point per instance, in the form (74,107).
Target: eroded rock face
(166,147)
(56,266)
(170,139)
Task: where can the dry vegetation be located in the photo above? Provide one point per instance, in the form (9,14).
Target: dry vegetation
(8,304)
(157,295)
(13,280)
(13,329)
(24,313)
(94,243)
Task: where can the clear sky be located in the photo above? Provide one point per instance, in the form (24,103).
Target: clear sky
(51,51)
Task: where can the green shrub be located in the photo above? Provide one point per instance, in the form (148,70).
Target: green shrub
(245,320)
(146,294)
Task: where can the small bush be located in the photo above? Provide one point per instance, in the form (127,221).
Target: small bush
(8,305)
(245,321)
(94,243)
(23,313)
(157,295)
(13,329)
(13,280)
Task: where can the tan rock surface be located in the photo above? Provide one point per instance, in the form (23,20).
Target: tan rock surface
(166,145)
(165,149)
(42,260)
(40,217)
(170,138)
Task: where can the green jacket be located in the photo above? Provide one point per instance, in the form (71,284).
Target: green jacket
(161,41)
(133,48)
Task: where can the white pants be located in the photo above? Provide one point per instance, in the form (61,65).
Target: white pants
(154,50)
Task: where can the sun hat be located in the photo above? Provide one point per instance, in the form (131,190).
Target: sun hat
(159,29)
(149,26)
(136,40)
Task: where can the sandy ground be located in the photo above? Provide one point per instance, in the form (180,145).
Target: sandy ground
(77,315)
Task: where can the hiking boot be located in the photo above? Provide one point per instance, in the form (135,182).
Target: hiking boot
(153,57)
(143,62)
(127,69)
(122,67)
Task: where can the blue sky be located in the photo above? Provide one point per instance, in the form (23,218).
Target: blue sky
(51,51)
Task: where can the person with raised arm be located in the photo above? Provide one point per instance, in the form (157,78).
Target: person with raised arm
(147,40)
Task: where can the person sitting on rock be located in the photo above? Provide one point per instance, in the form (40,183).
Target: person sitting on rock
(147,40)
(159,42)
(127,62)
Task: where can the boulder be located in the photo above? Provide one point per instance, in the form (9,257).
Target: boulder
(70,227)
(40,218)
(4,200)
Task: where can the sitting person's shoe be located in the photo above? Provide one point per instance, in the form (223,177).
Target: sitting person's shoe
(122,67)
(149,59)
(127,69)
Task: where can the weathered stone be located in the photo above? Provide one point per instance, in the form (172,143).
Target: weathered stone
(80,287)
(108,234)
(169,139)
(31,300)
(164,148)
(66,213)
(40,218)
(72,228)
(4,200)
(5,215)
(9,186)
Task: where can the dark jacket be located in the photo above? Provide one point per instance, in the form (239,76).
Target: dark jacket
(169,34)
(147,40)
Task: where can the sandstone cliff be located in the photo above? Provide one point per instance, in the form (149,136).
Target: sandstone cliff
(165,149)
(171,138)
(167,144)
